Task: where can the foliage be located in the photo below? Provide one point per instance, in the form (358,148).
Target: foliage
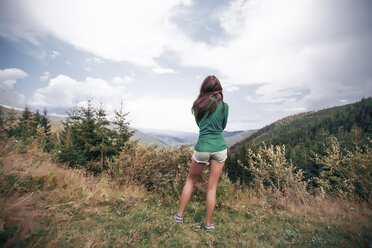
(273,171)
(47,204)
(161,170)
(87,141)
(122,127)
(348,174)
(28,128)
(305,135)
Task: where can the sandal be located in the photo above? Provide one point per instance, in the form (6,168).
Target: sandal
(178,219)
(209,228)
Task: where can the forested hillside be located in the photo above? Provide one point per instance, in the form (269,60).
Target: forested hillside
(307,134)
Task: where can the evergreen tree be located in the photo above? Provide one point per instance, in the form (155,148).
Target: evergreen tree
(86,139)
(45,122)
(105,137)
(25,126)
(36,120)
(122,127)
(71,148)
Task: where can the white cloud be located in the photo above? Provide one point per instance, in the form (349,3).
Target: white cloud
(54,54)
(45,77)
(8,77)
(147,112)
(162,113)
(122,80)
(311,47)
(187,2)
(162,70)
(94,60)
(62,91)
(229,87)
(133,31)
(299,53)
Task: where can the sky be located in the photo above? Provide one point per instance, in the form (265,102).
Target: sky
(274,58)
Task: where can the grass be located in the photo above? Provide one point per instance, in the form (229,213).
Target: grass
(47,205)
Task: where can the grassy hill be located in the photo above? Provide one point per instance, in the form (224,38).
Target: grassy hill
(44,204)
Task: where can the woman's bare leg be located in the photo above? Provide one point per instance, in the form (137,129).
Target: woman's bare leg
(194,173)
(215,171)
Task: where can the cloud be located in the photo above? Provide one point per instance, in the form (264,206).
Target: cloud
(148,112)
(122,80)
(45,77)
(132,31)
(9,77)
(162,113)
(313,52)
(94,60)
(229,87)
(54,54)
(309,55)
(62,91)
(162,70)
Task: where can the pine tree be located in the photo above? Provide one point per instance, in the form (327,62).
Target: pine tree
(45,122)
(36,120)
(86,139)
(25,126)
(105,137)
(70,148)
(122,127)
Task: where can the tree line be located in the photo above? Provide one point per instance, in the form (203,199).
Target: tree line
(87,140)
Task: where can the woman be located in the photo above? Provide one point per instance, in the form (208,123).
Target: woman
(211,117)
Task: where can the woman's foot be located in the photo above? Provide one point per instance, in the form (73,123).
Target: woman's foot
(178,219)
(209,228)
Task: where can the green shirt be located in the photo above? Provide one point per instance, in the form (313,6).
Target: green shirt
(210,130)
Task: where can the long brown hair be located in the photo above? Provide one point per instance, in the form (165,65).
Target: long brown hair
(210,87)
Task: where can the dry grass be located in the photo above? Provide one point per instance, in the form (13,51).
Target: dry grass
(44,204)
(36,189)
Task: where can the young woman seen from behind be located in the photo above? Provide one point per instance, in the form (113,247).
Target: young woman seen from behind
(211,117)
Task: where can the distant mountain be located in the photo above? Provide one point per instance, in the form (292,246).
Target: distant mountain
(146,139)
(177,138)
(170,137)
(234,137)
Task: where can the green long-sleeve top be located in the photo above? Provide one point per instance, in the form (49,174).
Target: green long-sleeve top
(210,130)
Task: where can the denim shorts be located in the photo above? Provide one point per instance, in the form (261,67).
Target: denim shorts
(204,157)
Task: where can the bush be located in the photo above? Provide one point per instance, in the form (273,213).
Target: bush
(274,173)
(346,173)
(161,170)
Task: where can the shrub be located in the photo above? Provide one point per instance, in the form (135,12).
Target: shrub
(273,172)
(346,173)
(161,170)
